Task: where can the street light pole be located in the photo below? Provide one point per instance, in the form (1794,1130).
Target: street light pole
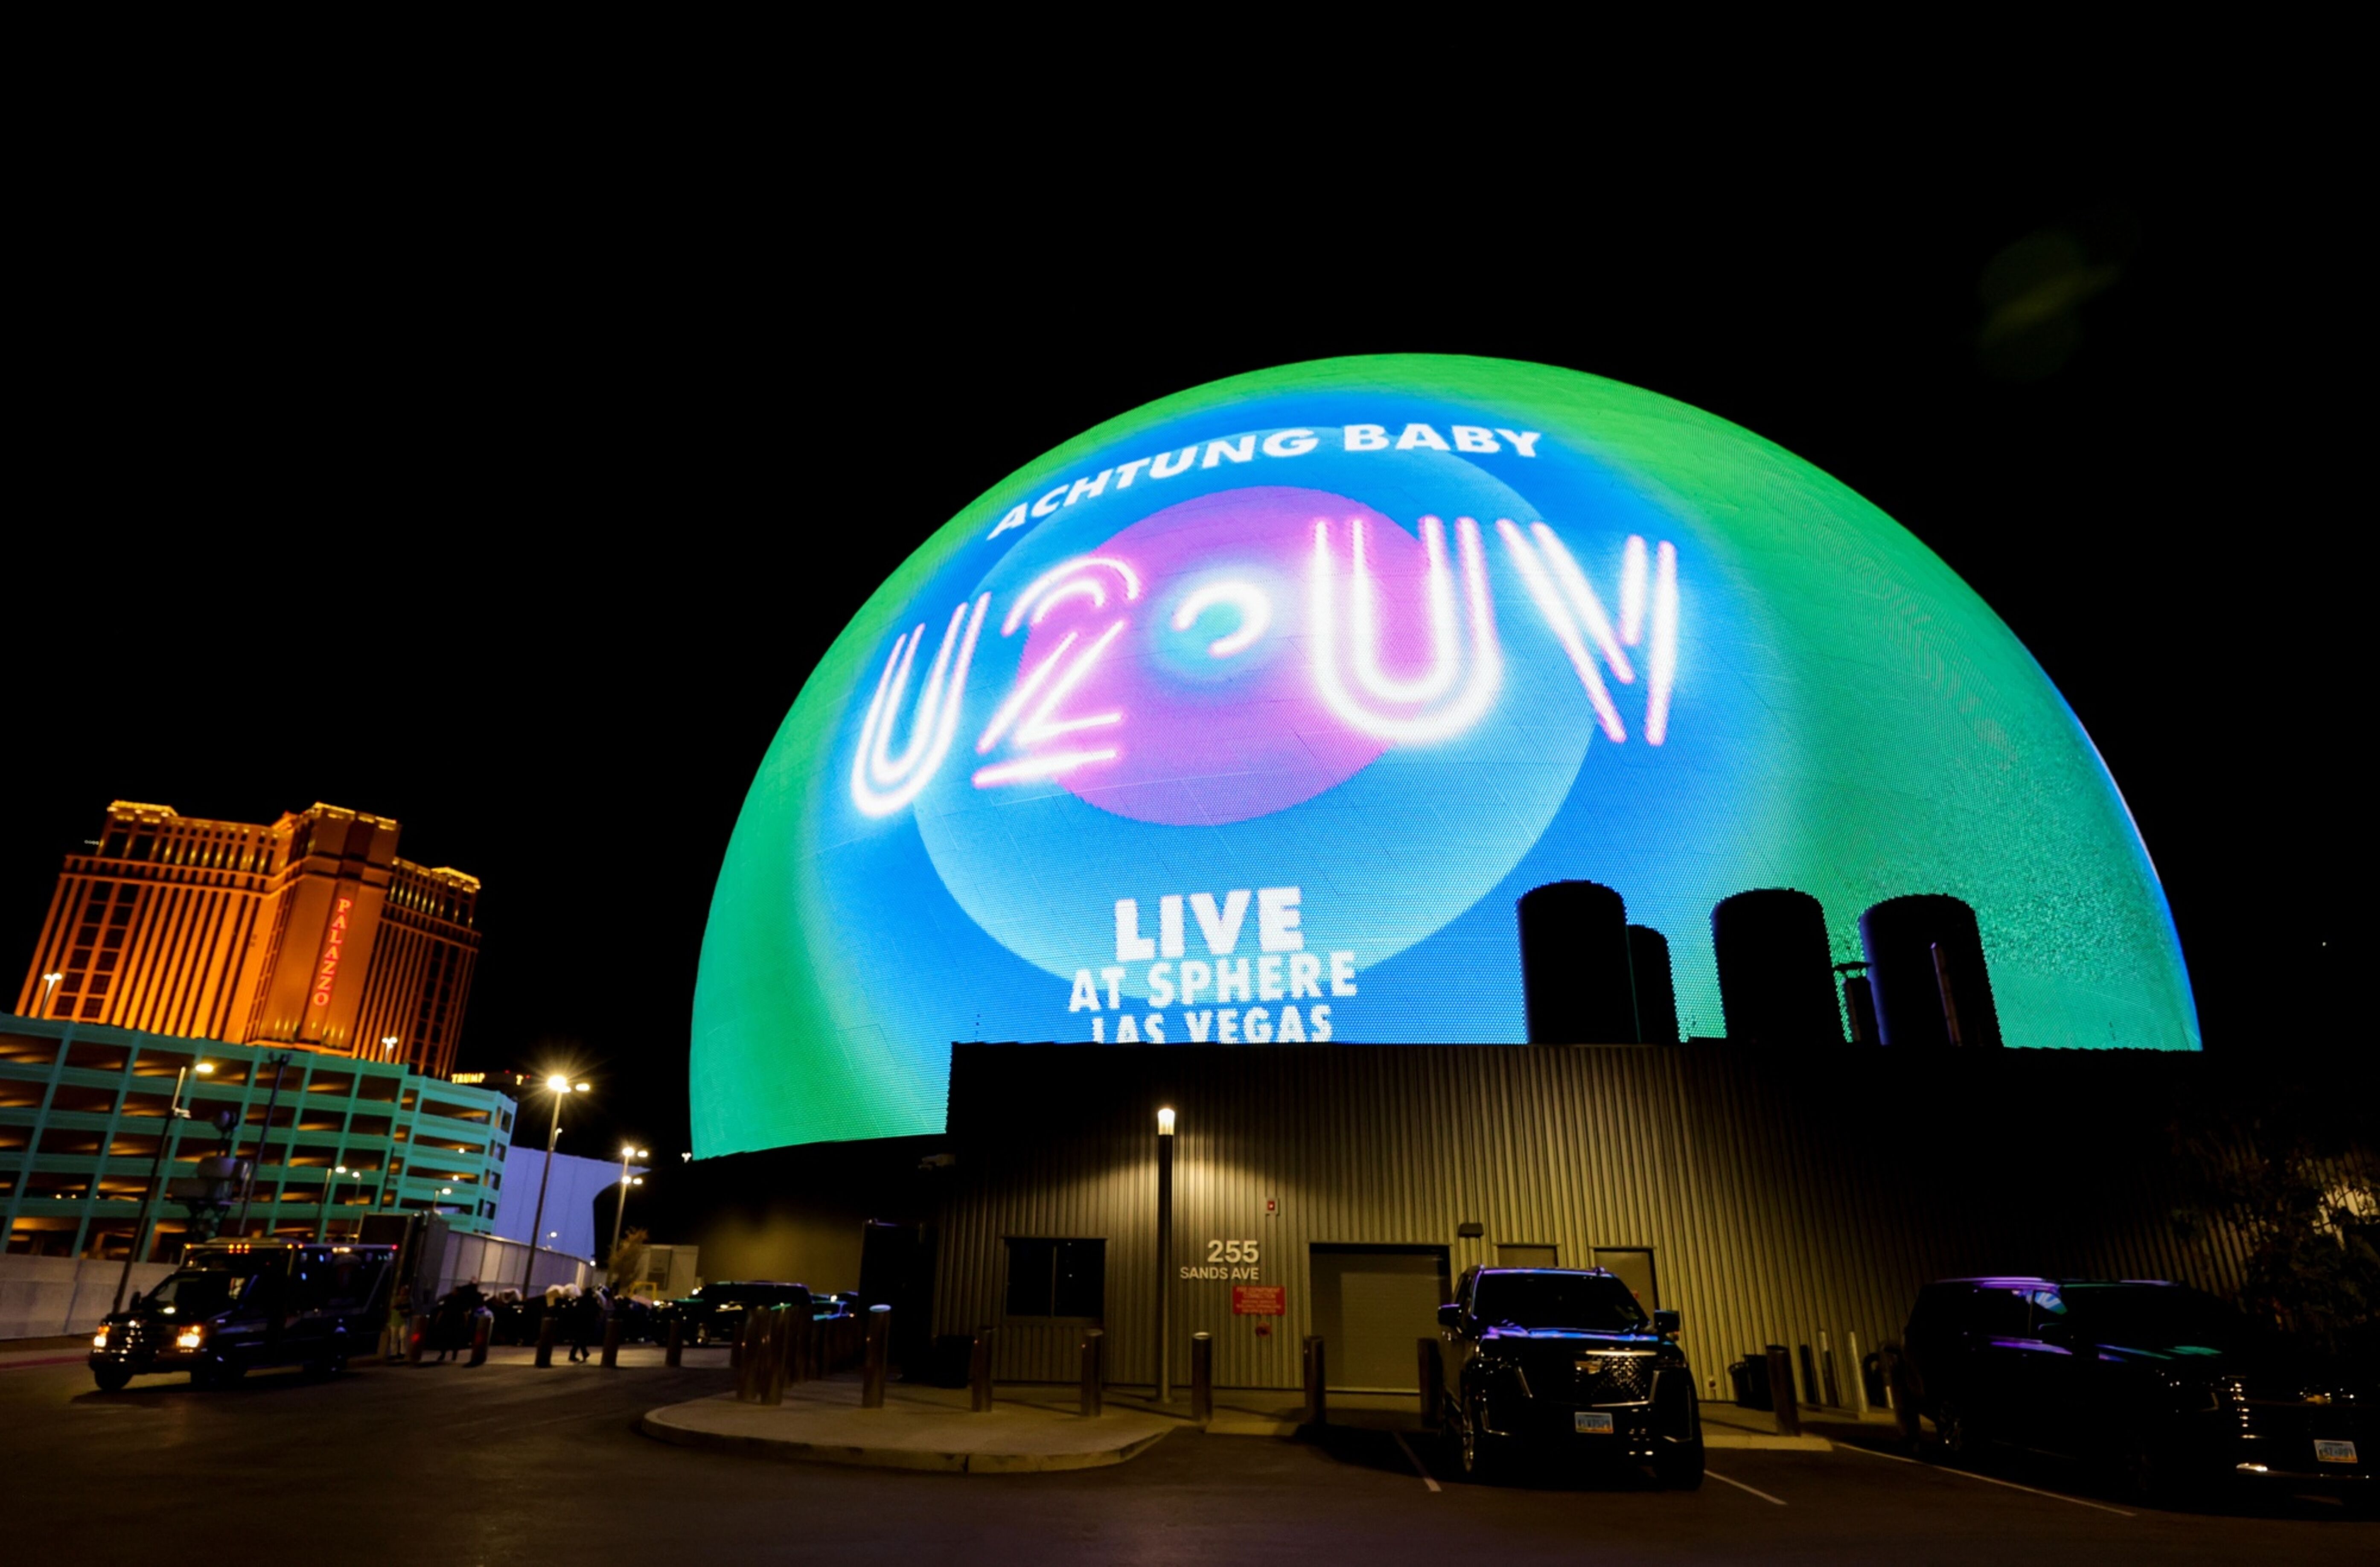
(612,1257)
(1164,1255)
(248,1188)
(555,1086)
(174,1113)
(49,990)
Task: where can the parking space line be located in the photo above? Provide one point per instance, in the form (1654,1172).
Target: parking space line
(1739,1485)
(1414,1459)
(1988,1479)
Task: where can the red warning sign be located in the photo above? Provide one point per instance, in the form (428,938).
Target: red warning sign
(1259,1300)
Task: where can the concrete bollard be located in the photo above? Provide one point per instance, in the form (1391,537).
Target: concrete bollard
(1202,1378)
(483,1324)
(1094,1341)
(416,1334)
(549,1328)
(979,1371)
(674,1352)
(752,1384)
(880,1346)
(1780,1392)
(1425,1355)
(1859,1376)
(613,1329)
(781,1352)
(1317,1402)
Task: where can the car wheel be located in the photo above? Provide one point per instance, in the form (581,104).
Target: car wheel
(111,1378)
(2148,1472)
(1480,1458)
(1680,1467)
(1958,1433)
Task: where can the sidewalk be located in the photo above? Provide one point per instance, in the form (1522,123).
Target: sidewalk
(920,1427)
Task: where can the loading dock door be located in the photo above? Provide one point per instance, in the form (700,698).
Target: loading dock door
(1371,1303)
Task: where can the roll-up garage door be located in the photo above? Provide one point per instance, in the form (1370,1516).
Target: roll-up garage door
(1371,1304)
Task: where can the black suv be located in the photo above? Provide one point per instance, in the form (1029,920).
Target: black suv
(233,1305)
(1564,1363)
(2172,1389)
(714,1313)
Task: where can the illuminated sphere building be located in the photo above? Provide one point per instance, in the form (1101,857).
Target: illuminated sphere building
(1250,715)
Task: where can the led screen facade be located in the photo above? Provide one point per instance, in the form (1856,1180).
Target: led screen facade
(1247,717)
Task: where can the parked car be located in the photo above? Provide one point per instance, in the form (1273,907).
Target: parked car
(234,1306)
(1562,1362)
(2170,1389)
(715,1312)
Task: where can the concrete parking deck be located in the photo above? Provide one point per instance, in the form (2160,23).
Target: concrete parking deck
(919,1428)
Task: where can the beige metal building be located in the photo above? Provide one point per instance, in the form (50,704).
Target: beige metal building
(1772,1196)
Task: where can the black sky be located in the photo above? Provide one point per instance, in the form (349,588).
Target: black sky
(522,517)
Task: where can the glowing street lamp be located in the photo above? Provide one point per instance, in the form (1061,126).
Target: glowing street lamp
(49,988)
(174,1113)
(388,1044)
(627,1152)
(560,1087)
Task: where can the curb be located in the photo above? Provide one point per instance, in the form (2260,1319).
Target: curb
(929,1460)
(1716,1439)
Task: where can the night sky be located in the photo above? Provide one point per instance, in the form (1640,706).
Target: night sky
(523,523)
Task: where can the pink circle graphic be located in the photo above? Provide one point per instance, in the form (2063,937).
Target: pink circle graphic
(1167,676)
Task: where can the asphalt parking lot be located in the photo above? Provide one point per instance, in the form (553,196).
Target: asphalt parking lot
(505,1463)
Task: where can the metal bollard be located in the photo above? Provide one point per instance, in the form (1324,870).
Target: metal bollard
(1202,1378)
(417,1333)
(481,1326)
(979,1371)
(613,1329)
(675,1351)
(1780,1392)
(1094,1341)
(549,1328)
(781,1353)
(752,1368)
(1426,1352)
(1827,1372)
(1317,1400)
(879,1343)
(1810,1393)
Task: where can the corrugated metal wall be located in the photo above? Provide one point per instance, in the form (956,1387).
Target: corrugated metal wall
(1783,1192)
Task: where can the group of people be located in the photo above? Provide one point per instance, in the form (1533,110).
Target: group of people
(454,1319)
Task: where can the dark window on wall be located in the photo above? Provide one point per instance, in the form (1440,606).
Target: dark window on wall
(1057,1278)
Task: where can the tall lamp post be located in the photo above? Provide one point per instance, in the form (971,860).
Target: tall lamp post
(1165,1256)
(49,988)
(156,1169)
(612,1257)
(264,1135)
(559,1087)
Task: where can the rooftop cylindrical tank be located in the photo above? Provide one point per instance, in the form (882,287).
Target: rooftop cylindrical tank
(1656,992)
(1776,974)
(1575,976)
(1925,960)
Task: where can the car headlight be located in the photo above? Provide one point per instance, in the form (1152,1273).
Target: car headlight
(190,1337)
(99,1340)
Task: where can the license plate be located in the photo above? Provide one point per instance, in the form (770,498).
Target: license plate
(2329,1453)
(1598,1424)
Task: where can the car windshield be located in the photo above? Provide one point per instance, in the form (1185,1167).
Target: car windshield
(199,1291)
(2151,1316)
(1593,1303)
